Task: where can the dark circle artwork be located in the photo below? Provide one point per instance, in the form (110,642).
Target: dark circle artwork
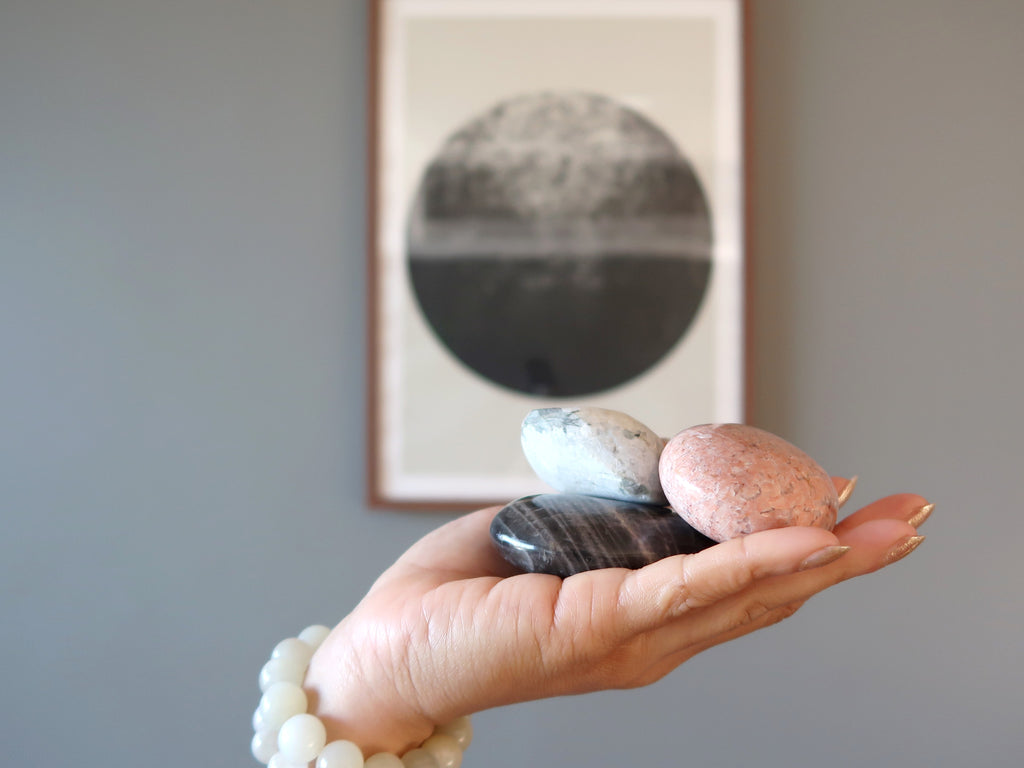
(559,245)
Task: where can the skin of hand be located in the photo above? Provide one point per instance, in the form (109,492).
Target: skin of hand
(451,628)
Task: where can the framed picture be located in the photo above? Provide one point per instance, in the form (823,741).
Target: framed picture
(556,203)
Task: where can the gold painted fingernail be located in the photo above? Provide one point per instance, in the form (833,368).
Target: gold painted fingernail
(823,557)
(921,515)
(847,492)
(903,548)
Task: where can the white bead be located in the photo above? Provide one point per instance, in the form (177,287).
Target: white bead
(293,648)
(282,670)
(445,748)
(384,760)
(280,702)
(264,745)
(419,758)
(257,721)
(314,634)
(461,728)
(279,761)
(340,754)
(301,738)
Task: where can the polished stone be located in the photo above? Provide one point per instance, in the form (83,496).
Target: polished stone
(594,451)
(728,480)
(563,534)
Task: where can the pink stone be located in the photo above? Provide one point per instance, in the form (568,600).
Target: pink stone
(727,480)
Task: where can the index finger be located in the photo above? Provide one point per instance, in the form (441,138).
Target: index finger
(663,591)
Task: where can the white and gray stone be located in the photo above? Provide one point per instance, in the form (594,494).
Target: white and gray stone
(594,451)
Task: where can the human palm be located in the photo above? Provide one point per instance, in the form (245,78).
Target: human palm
(452,629)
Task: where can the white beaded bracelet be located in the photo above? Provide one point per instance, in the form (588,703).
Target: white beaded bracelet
(286,736)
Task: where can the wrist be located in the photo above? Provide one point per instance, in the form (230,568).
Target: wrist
(318,704)
(359,707)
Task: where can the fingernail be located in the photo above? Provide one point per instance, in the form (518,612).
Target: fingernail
(847,492)
(903,548)
(823,557)
(921,515)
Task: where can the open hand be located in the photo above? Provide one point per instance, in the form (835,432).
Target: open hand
(451,629)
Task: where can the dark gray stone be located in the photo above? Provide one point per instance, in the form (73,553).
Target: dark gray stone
(563,534)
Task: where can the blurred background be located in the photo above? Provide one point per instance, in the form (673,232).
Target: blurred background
(182,341)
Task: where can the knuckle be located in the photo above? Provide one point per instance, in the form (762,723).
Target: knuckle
(753,611)
(618,666)
(705,582)
(780,614)
(625,664)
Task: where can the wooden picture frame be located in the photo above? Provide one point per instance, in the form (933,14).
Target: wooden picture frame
(557,217)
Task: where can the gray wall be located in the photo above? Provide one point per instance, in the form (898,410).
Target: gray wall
(182,382)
